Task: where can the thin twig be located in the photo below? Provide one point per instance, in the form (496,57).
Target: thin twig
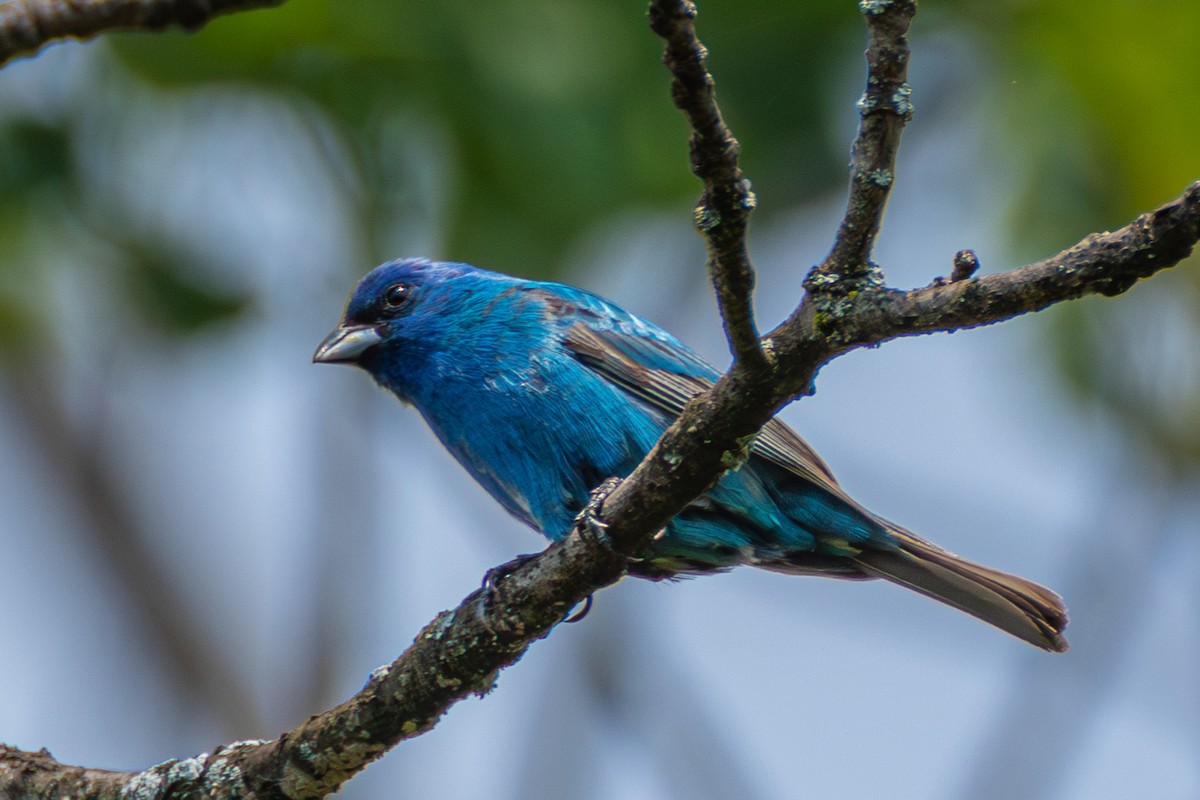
(723,209)
(1107,264)
(26,26)
(884,109)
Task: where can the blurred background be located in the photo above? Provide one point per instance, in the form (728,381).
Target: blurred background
(203,537)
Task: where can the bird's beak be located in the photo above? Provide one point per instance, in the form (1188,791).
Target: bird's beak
(346,343)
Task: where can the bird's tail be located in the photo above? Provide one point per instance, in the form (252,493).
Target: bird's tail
(1014,605)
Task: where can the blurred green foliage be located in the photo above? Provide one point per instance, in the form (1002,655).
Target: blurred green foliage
(555,115)
(557,112)
(168,297)
(33,156)
(1103,107)
(1116,79)
(1140,366)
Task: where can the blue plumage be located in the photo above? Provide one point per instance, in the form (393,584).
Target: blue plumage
(542,390)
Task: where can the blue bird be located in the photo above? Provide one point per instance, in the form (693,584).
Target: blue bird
(542,391)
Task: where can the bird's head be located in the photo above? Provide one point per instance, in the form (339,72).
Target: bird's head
(405,313)
(393,307)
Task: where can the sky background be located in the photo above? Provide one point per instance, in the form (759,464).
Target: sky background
(203,537)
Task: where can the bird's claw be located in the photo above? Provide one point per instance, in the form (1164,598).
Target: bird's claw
(496,574)
(588,521)
(582,612)
(491,580)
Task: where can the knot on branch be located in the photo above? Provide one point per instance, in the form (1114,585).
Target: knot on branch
(822,282)
(966,264)
(724,206)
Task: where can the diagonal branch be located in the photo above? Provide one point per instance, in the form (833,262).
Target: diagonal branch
(723,209)
(26,26)
(456,655)
(1107,264)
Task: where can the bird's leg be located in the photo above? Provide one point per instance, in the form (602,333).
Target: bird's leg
(590,524)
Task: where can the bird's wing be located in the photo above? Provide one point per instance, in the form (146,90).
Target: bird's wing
(660,371)
(656,369)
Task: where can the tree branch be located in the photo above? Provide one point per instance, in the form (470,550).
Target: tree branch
(26,26)
(883,111)
(456,655)
(460,652)
(714,430)
(1107,264)
(722,211)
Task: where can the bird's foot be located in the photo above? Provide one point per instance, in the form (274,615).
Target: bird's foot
(589,521)
(491,595)
(591,526)
(496,574)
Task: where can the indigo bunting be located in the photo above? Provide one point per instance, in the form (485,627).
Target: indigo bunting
(542,391)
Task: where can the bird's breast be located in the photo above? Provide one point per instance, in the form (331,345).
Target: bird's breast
(539,436)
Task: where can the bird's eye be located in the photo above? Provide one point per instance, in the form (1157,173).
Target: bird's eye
(396,295)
